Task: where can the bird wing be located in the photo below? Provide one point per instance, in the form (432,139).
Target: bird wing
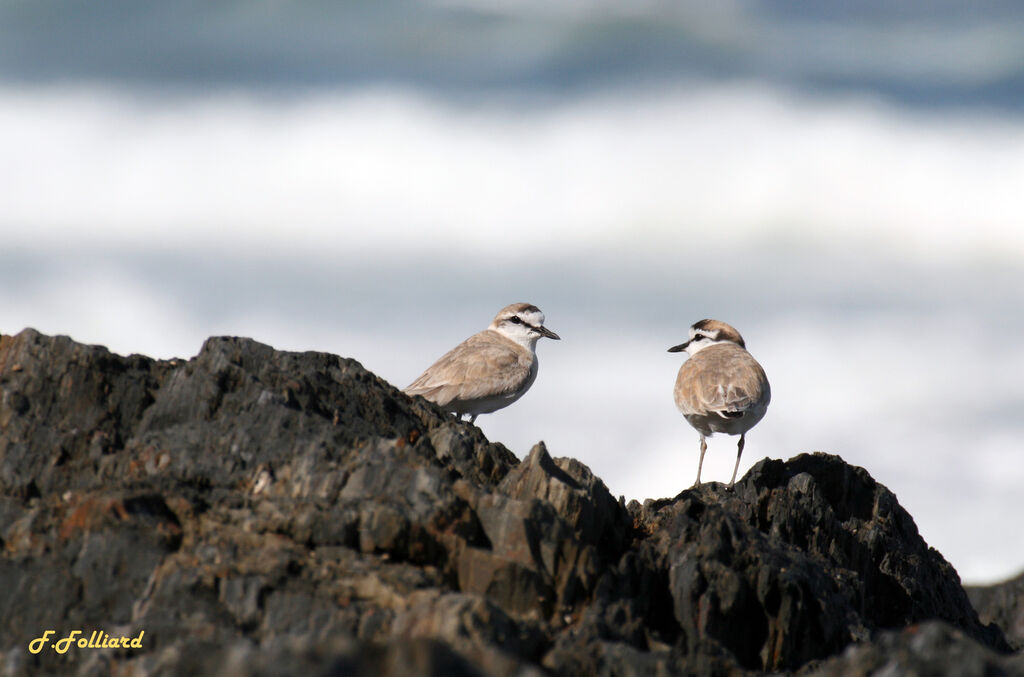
(723,379)
(484,365)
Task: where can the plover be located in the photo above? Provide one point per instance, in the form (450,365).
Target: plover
(489,370)
(721,388)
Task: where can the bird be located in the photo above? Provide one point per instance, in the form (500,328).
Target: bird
(721,388)
(491,369)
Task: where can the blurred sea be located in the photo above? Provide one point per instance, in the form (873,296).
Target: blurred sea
(842,182)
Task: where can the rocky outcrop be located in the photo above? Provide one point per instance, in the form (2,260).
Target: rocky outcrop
(255,512)
(929,648)
(1002,605)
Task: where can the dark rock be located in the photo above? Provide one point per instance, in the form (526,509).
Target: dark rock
(61,403)
(329,658)
(478,628)
(1002,605)
(930,648)
(256,512)
(801,559)
(579,498)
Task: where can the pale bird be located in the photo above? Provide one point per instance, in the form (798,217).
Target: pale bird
(489,370)
(721,388)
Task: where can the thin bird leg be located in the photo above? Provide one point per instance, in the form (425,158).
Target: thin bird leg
(472,419)
(739,452)
(700,464)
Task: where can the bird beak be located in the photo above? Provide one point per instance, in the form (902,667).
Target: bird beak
(679,348)
(544,331)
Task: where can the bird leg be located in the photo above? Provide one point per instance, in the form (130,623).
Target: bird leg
(739,452)
(700,464)
(472,419)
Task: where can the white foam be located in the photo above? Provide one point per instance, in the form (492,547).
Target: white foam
(334,172)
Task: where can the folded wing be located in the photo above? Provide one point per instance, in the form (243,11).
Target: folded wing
(485,365)
(723,380)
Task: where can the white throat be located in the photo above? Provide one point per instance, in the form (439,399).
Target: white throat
(520,334)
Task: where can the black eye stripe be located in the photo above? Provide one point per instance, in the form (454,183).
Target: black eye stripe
(515,319)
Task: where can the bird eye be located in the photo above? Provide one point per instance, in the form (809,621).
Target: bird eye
(515,320)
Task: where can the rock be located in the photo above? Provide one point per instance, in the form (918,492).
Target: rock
(426,657)
(1002,605)
(809,546)
(930,648)
(256,512)
(549,531)
(581,500)
(478,628)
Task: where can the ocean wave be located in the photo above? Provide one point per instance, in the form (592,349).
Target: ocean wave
(642,169)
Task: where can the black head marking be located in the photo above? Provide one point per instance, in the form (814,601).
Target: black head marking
(703,324)
(515,319)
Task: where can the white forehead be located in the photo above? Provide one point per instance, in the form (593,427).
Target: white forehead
(534,317)
(710,333)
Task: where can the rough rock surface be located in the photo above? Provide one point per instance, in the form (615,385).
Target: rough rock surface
(257,512)
(930,648)
(1003,605)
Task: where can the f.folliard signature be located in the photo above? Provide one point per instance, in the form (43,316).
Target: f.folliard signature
(97,640)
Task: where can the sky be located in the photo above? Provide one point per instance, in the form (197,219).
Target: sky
(378,180)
